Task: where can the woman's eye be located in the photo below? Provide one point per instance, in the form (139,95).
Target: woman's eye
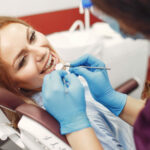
(32,37)
(22,62)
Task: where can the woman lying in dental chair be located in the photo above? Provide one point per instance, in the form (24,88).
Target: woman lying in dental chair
(26,57)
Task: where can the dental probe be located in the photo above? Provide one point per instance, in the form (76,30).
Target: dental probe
(103,68)
(60,66)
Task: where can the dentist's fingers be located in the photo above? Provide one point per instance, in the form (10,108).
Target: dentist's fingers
(72,81)
(53,80)
(81,71)
(80,61)
(62,73)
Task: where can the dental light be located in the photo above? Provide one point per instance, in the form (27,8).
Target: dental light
(86,4)
(84,8)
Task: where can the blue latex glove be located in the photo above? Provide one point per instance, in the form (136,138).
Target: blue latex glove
(99,83)
(63,97)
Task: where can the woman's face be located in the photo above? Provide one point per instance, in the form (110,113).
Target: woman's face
(28,53)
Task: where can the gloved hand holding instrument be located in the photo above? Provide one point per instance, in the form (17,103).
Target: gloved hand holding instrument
(99,83)
(63,97)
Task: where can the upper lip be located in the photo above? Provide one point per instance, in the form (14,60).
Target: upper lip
(43,68)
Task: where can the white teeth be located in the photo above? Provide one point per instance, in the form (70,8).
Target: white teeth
(50,64)
(49,61)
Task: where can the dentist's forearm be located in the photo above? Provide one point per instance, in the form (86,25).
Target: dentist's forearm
(84,139)
(131,110)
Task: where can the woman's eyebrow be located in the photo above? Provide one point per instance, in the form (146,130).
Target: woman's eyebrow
(22,51)
(28,34)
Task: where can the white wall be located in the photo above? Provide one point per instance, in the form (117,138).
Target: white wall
(27,7)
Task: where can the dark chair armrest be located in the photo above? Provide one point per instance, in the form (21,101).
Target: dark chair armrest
(128,87)
(41,116)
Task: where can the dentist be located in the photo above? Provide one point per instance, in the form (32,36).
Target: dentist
(67,103)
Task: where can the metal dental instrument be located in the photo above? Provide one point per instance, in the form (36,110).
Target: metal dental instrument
(102,68)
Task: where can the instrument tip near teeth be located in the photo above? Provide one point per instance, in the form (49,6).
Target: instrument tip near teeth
(59,66)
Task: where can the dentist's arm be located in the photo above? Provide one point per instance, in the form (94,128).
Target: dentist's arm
(84,140)
(66,102)
(131,110)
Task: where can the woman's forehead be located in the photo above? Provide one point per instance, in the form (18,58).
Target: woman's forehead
(13,28)
(12,38)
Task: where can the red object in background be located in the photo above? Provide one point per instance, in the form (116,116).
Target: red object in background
(56,21)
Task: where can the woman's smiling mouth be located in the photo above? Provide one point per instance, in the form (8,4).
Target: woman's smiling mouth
(51,63)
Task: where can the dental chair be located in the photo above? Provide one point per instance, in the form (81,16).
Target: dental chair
(37,130)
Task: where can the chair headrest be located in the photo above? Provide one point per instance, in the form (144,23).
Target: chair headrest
(9,100)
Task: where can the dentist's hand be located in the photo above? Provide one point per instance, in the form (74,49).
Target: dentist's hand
(65,101)
(99,83)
